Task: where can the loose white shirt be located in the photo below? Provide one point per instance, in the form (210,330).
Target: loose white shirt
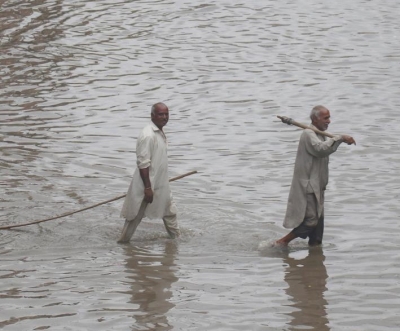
(151,151)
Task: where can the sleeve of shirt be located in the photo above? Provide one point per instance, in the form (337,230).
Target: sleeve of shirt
(320,148)
(143,151)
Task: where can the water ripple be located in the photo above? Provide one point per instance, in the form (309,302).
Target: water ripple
(78,80)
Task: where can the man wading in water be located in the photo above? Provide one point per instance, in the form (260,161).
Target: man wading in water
(305,208)
(149,193)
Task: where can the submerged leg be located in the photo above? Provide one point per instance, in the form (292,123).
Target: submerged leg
(311,226)
(130,226)
(315,238)
(284,241)
(171,223)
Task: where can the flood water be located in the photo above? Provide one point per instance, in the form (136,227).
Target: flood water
(77,82)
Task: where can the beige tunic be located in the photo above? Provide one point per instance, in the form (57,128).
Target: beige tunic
(310,174)
(151,151)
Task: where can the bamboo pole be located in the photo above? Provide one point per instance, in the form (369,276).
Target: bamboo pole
(291,121)
(86,208)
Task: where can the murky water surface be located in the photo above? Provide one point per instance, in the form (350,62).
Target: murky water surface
(77,82)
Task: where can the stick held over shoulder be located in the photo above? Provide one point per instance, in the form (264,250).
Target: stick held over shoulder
(289,121)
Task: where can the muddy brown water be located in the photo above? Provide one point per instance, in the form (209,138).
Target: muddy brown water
(77,82)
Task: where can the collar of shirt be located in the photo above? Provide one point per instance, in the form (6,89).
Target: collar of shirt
(314,127)
(157,129)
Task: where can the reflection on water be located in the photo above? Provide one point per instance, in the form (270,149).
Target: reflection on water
(151,277)
(307,279)
(77,82)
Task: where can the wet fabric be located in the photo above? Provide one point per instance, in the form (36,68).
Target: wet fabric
(313,224)
(310,174)
(170,223)
(151,151)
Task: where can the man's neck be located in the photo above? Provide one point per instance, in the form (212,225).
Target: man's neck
(160,128)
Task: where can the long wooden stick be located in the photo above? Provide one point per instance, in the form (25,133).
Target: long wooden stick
(291,121)
(86,208)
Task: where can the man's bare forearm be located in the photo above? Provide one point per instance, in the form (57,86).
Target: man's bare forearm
(145,175)
(148,191)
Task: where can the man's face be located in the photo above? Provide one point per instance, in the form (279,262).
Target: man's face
(160,116)
(323,120)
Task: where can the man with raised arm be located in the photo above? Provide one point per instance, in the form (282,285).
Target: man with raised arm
(149,193)
(305,208)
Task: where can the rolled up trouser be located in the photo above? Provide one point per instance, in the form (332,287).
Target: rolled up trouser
(312,225)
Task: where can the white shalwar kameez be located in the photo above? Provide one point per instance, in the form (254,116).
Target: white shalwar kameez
(151,151)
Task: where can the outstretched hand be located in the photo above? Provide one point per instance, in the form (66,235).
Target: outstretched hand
(348,140)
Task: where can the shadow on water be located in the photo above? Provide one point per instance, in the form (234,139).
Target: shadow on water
(151,278)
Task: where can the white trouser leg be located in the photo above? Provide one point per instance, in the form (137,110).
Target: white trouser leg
(171,222)
(130,226)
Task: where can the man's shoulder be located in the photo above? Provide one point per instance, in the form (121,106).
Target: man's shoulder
(148,130)
(307,133)
(307,137)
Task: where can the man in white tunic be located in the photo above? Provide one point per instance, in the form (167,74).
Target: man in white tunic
(149,193)
(305,208)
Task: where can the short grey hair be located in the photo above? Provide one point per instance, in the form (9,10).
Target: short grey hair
(315,111)
(154,107)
